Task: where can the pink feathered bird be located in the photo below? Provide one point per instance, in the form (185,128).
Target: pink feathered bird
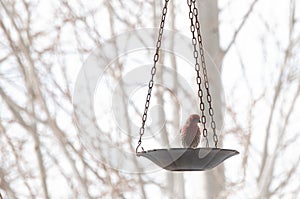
(190,132)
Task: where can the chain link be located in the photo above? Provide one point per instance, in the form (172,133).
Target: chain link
(204,69)
(153,72)
(197,68)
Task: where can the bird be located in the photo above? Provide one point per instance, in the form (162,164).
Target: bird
(190,132)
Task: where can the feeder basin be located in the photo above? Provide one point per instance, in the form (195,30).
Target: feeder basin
(188,159)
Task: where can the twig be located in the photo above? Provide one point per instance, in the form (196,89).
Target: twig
(237,31)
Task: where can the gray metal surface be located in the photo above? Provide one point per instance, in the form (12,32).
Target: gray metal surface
(188,159)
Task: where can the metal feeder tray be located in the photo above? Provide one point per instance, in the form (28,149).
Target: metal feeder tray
(188,159)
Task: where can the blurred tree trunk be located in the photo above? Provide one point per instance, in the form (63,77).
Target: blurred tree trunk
(209,21)
(179,182)
(175,181)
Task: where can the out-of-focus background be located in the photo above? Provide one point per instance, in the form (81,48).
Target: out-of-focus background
(255,45)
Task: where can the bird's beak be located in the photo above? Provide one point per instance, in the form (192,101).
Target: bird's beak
(199,121)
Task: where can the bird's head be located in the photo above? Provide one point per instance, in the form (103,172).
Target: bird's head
(195,118)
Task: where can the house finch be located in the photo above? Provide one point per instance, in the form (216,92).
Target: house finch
(190,132)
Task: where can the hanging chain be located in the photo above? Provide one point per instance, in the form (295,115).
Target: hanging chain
(197,68)
(206,83)
(153,72)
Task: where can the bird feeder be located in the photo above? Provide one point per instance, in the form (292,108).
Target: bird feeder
(187,159)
